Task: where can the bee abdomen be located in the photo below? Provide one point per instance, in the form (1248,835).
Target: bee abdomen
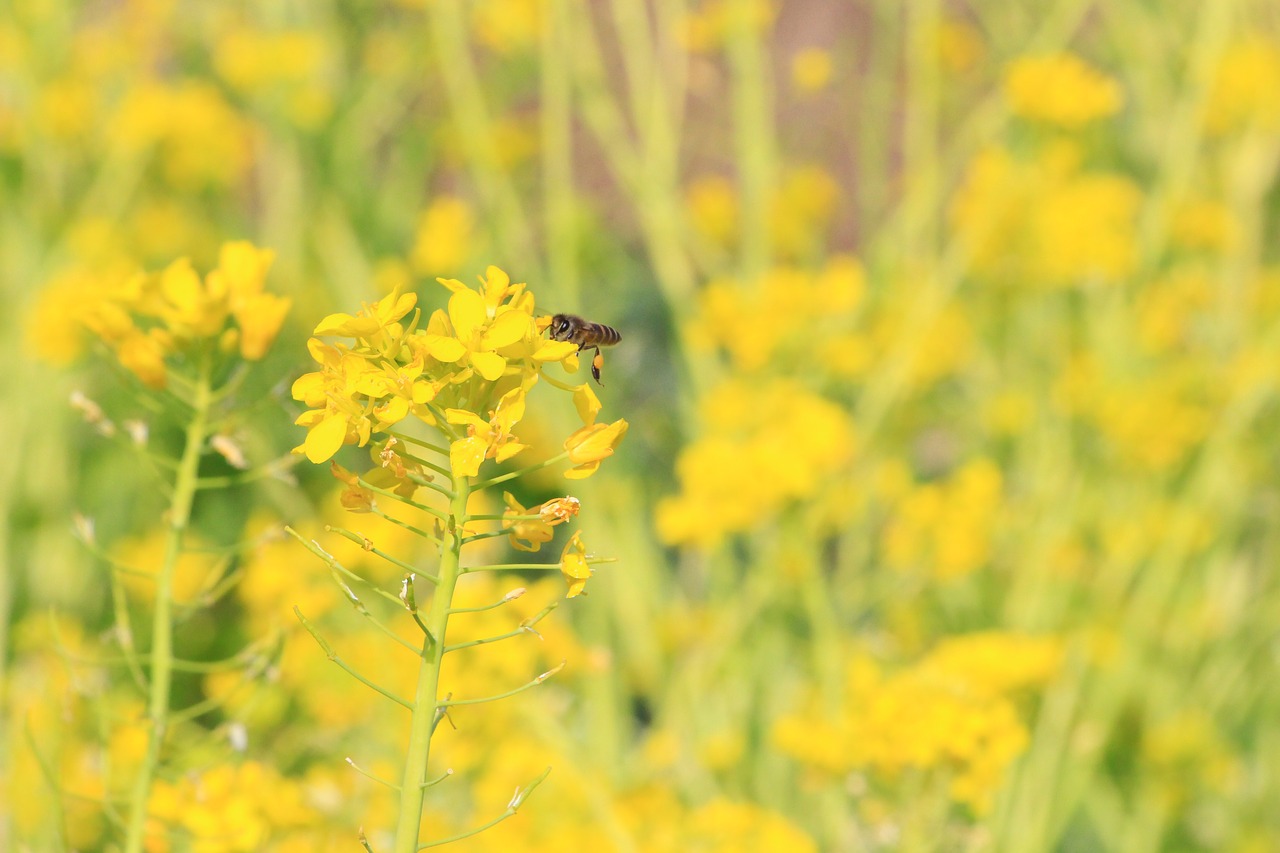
(606,336)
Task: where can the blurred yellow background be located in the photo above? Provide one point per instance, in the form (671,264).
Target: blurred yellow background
(947,519)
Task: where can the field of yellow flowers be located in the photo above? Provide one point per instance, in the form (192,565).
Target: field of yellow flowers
(930,502)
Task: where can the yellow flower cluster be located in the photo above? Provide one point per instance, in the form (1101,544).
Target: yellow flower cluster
(148,319)
(945,528)
(778,317)
(445,235)
(764,446)
(952,711)
(1046,222)
(1244,88)
(470,367)
(1060,89)
(227,809)
(801,209)
(1150,421)
(199,138)
(287,66)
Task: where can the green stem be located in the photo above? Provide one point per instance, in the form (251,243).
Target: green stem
(502,478)
(408,439)
(426,703)
(161,654)
(753,136)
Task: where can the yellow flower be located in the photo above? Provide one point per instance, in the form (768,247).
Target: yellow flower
(143,355)
(574,566)
(490,439)
(1060,89)
(1047,222)
(375,323)
(529,534)
(713,208)
(590,445)
(811,69)
(241,276)
(1245,86)
(338,416)
(478,325)
(526,534)
(801,210)
(444,236)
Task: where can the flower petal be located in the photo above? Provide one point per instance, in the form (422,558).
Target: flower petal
(325,438)
(466,312)
(490,365)
(466,454)
(506,329)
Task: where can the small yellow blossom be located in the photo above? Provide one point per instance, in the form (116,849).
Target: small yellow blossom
(592,444)
(712,203)
(1060,89)
(574,566)
(1244,87)
(811,69)
(444,237)
(492,439)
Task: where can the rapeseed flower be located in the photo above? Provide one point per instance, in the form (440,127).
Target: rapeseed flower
(1060,89)
(150,320)
(471,367)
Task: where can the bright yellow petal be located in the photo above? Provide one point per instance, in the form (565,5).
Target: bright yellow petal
(466,454)
(508,450)
(550,351)
(496,283)
(509,327)
(462,416)
(325,438)
(582,472)
(396,410)
(595,442)
(394,305)
(490,365)
(466,312)
(335,324)
(309,388)
(445,349)
(587,403)
(453,284)
(574,567)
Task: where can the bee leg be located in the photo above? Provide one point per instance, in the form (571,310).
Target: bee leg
(597,362)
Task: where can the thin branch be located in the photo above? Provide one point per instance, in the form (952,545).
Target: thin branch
(517,800)
(356,767)
(431,537)
(511,596)
(523,687)
(331,655)
(410,601)
(436,781)
(526,627)
(364,611)
(408,439)
(476,537)
(387,493)
(502,567)
(502,478)
(367,545)
(314,547)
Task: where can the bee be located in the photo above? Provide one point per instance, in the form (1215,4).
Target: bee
(587,335)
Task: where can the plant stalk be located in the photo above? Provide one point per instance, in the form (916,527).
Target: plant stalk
(161,654)
(426,704)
